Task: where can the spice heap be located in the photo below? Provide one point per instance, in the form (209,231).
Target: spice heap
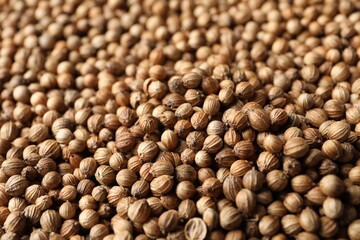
(176,119)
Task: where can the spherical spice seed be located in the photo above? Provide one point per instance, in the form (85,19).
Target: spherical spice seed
(277,209)
(195,140)
(290,224)
(147,150)
(211,105)
(195,228)
(15,222)
(191,80)
(231,137)
(276,180)
(161,185)
(185,190)
(253,180)
(316,116)
(187,209)
(211,218)
(269,225)
(328,227)
(230,218)
(273,144)
(333,208)
(67,210)
(169,139)
(16,185)
(213,144)
(240,167)
(267,162)
(151,228)
(235,119)
(125,141)
(33,213)
(301,183)
(49,148)
(340,72)
(293,202)
(203,203)
(296,147)
(139,211)
(105,175)
(126,178)
(199,120)
(259,119)
(231,186)
(161,167)
(244,149)
(331,185)
(246,201)
(332,149)
(38,133)
(203,158)
(354,175)
(292,132)
(88,218)
(309,220)
(148,123)
(168,221)
(278,117)
(50,221)
(353,230)
(212,187)
(316,196)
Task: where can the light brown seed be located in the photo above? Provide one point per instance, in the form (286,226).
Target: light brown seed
(296,147)
(195,228)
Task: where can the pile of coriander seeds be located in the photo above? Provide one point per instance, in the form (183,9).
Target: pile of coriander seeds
(169,119)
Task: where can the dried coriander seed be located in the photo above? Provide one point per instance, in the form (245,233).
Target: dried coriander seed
(195,228)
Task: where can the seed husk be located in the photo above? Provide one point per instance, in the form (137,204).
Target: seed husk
(195,229)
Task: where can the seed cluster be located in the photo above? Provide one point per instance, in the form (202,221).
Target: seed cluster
(173,119)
